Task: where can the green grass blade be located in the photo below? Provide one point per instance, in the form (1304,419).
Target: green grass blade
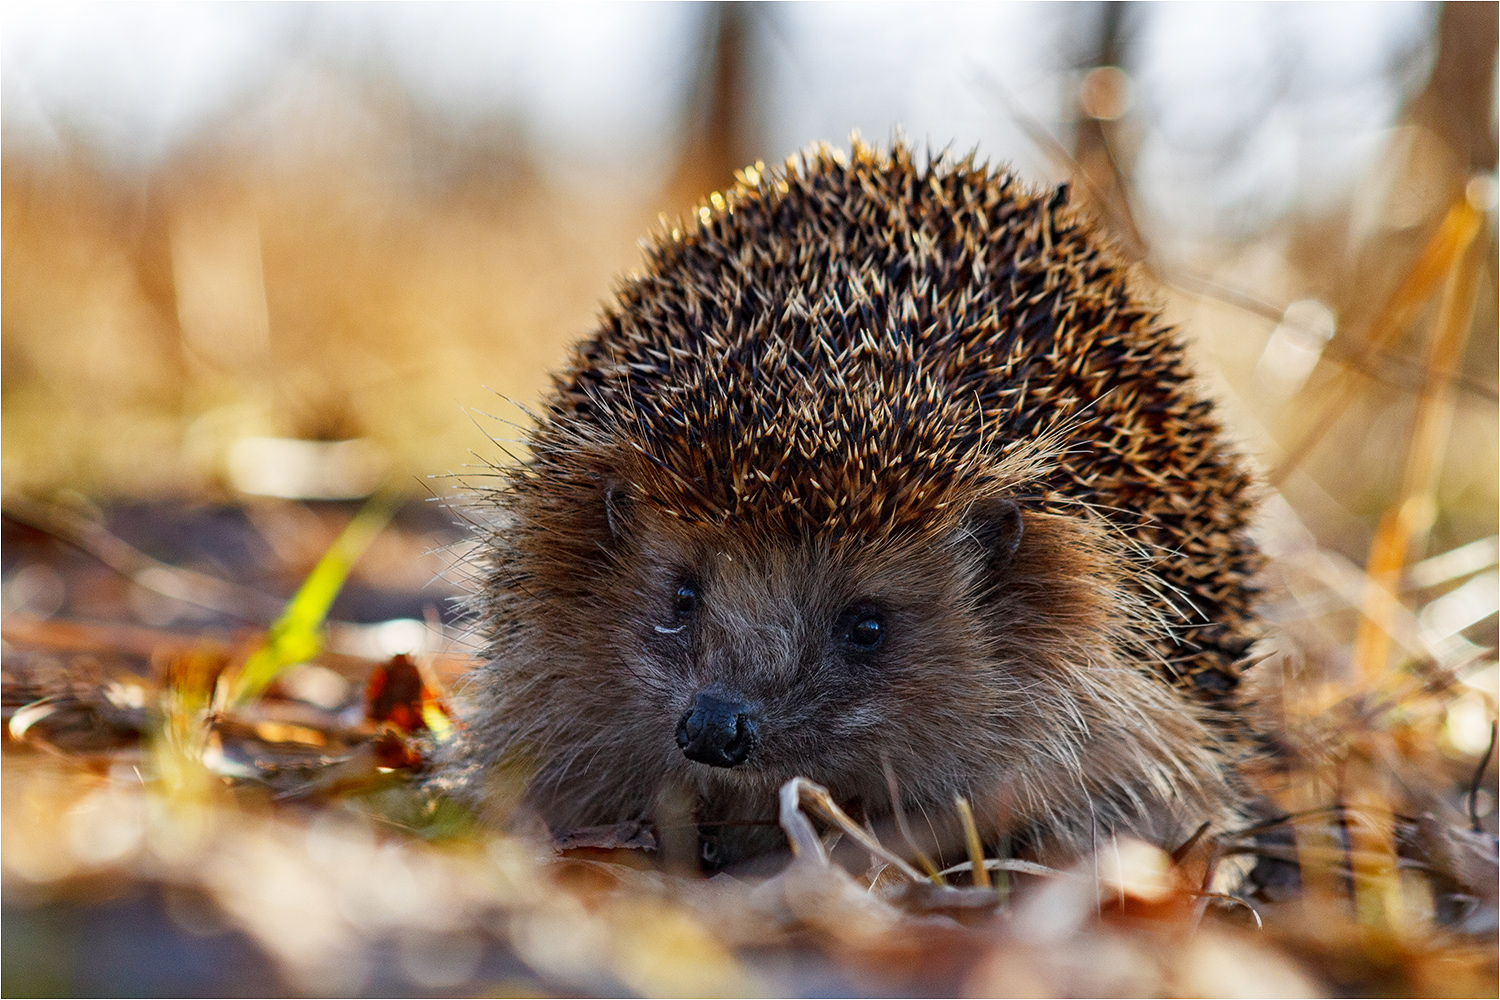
(297,635)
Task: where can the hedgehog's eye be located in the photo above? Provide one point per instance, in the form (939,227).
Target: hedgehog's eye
(866,631)
(685,600)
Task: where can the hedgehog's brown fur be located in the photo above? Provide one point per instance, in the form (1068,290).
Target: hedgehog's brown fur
(828,390)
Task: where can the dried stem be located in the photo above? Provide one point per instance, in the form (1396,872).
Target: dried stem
(972,842)
(1406,524)
(1438,258)
(804,840)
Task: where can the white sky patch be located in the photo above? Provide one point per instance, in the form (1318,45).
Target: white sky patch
(1247,107)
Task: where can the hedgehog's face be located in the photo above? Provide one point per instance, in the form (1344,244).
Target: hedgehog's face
(655,665)
(778,661)
(742,661)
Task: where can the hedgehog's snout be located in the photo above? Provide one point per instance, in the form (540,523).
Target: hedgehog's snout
(717,731)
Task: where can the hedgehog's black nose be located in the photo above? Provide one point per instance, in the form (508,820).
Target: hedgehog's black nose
(717,732)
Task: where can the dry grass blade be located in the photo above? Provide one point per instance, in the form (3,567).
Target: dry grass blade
(1347,586)
(972,842)
(1406,523)
(1318,849)
(1005,865)
(1455,564)
(1372,845)
(1232,900)
(180,584)
(1484,763)
(900,816)
(800,792)
(799,829)
(1437,260)
(97,637)
(1403,530)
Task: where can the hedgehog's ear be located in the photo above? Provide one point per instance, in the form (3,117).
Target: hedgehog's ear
(617,510)
(994,523)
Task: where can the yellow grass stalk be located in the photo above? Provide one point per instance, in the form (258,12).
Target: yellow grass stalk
(1403,531)
(1405,526)
(1438,258)
(971,840)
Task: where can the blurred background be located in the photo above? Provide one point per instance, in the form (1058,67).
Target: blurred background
(229,226)
(302,251)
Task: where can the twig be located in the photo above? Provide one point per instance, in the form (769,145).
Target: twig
(91,637)
(804,839)
(185,585)
(1489,752)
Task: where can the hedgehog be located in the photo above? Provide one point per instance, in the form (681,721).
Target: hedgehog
(882,474)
